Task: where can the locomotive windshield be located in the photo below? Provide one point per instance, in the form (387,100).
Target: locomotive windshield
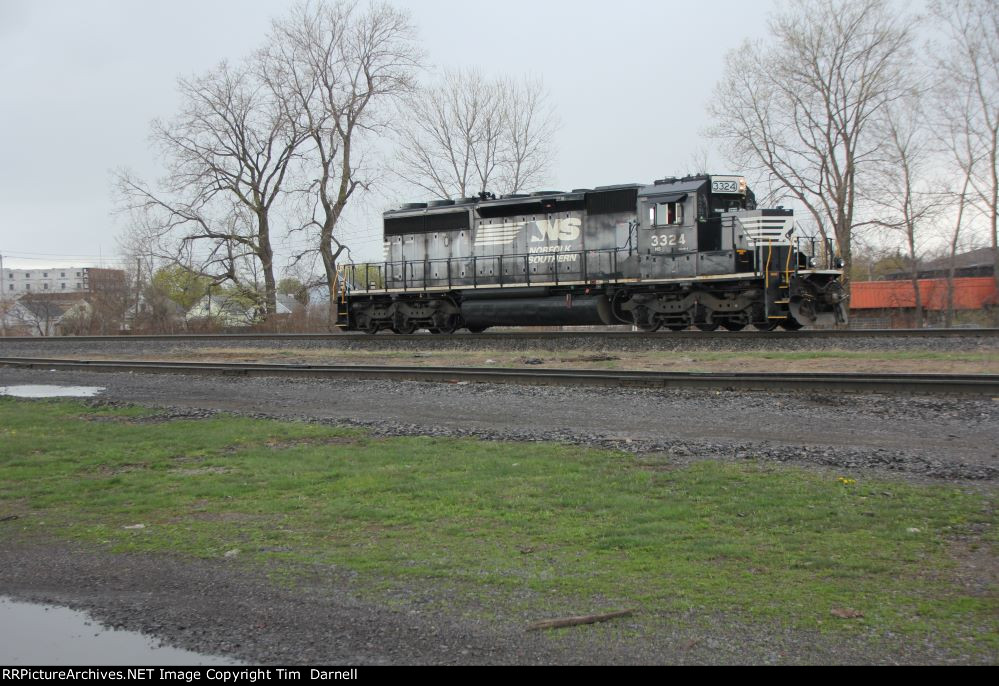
(729,193)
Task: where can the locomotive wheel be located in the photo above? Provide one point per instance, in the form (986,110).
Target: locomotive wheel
(370,326)
(677,327)
(766,326)
(406,328)
(791,324)
(706,327)
(477,329)
(733,326)
(450,325)
(645,321)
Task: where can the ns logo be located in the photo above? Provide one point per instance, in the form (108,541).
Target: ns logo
(566,229)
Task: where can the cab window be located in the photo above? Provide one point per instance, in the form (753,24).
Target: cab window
(667,213)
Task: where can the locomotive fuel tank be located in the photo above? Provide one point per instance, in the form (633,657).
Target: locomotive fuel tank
(540,309)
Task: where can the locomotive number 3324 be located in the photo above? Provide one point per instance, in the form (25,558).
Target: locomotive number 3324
(667,239)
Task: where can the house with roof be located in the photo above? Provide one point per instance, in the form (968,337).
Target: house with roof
(979,262)
(231,312)
(44,314)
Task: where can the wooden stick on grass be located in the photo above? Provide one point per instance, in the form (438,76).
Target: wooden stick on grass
(576,621)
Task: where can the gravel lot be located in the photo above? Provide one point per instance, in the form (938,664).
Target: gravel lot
(226,608)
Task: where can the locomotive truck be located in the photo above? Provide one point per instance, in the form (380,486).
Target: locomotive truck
(680,252)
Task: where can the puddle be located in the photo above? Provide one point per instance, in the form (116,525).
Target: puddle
(50,391)
(49,635)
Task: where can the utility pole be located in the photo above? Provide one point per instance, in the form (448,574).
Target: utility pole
(3,296)
(138,289)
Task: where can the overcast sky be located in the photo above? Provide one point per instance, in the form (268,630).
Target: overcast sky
(81,80)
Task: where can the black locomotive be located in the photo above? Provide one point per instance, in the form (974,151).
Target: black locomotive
(694,251)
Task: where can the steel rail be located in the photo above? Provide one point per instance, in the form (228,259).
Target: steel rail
(508,335)
(982,384)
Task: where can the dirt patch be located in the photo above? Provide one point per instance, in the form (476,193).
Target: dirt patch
(837,361)
(224,517)
(105,419)
(589,358)
(311,442)
(163,418)
(200,471)
(116,469)
(977,568)
(226,607)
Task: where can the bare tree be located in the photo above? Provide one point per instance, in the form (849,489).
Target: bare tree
(41,311)
(6,308)
(954,244)
(900,190)
(699,161)
(796,109)
(968,72)
(110,296)
(449,146)
(956,137)
(139,249)
(468,135)
(529,126)
(227,153)
(339,66)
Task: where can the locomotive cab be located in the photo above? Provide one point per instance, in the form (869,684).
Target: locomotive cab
(682,226)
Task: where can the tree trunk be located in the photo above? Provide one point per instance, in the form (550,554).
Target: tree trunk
(949,315)
(845,251)
(329,265)
(266,256)
(995,267)
(914,274)
(918,314)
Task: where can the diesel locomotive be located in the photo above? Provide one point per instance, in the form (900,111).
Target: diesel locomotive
(677,253)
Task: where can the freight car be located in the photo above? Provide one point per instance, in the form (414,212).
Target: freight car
(693,251)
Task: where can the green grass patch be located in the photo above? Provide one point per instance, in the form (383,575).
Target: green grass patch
(551,527)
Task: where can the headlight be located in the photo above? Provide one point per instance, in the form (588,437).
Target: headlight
(812,262)
(839,263)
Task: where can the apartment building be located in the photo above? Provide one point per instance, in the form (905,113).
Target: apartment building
(16,282)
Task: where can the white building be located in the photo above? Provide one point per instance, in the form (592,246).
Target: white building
(16,282)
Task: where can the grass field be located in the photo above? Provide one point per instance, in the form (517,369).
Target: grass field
(510,530)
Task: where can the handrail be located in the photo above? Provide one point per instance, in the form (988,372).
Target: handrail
(590,265)
(561,268)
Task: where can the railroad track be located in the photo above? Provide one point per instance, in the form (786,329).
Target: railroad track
(980,384)
(529,335)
